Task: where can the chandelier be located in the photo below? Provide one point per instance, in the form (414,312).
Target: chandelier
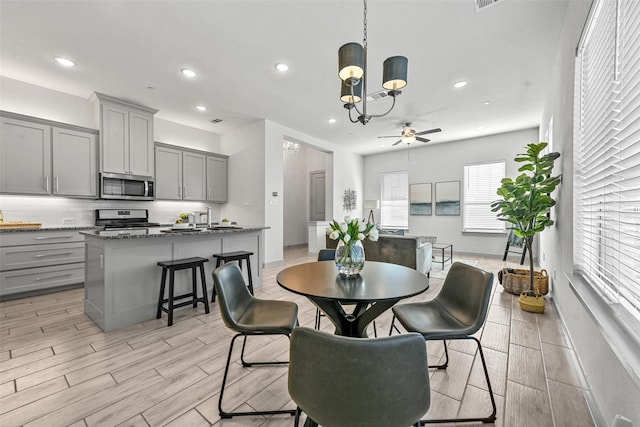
(290,147)
(352,69)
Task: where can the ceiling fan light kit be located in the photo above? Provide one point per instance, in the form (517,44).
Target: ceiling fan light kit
(352,70)
(410,135)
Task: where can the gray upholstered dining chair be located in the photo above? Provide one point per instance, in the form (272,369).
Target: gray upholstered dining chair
(342,381)
(330,255)
(247,315)
(457,312)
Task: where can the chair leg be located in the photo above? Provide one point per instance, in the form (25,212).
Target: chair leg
(446,361)
(492,417)
(194,287)
(393,326)
(375,332)
(317,322)
(296,421)
(224,414)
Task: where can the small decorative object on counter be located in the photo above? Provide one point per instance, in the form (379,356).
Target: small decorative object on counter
(1,216)
(182,218)
(350,252)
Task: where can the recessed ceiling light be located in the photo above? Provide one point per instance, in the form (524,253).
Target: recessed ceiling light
(331,120)
(487,102)
(282,67)
(64,61)
(201,108)
(461,83)
(480,127)
(381,145)
(188,73)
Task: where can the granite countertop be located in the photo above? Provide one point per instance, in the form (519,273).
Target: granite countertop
(164,232)
(51,228)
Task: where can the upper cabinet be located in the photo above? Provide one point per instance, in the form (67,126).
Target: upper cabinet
(43,157)
(184,174)
(217,179)
(126,137)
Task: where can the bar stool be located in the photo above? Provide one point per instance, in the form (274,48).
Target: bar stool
(182,264)
(234,256)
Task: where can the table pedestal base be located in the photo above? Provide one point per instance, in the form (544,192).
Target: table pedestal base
(352,324)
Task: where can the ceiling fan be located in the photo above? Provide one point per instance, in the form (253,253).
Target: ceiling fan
(410,135)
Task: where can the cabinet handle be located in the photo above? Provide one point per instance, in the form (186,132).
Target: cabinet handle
(208,192)
(54,237)
(53,277)
(46,255)
(184,191)
(46,183)
(56,183)
(180,192)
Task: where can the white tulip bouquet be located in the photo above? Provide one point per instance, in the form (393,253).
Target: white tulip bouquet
(350,252)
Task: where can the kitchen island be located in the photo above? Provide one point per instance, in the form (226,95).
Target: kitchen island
(122,279)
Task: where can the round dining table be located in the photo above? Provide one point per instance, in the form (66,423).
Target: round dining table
(376,289)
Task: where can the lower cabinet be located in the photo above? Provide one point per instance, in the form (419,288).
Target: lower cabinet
(39,261)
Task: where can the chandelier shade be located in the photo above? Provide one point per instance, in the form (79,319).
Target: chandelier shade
(345,93)
(394,72)
(351,63)
(352,70)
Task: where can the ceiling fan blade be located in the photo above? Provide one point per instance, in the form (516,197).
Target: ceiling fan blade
(425,132)
(396,143)
(422,139)
(388,136)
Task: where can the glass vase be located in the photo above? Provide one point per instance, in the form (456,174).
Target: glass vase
(350,257)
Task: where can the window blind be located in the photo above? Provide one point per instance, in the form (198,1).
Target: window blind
(607,156)
(481,183)
(394,200)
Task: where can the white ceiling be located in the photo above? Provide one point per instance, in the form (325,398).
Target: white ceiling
(505,52)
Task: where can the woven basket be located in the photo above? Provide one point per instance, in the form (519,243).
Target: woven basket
(517,281)
(531,304)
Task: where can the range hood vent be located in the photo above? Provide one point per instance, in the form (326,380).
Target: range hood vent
(377,95)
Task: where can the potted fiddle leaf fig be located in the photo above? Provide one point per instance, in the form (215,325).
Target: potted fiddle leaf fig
(525,203)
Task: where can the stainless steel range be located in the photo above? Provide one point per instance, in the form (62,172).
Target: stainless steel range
(124,219)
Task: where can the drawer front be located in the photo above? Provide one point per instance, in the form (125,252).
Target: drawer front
(16,257)
(12,282)
(19,238)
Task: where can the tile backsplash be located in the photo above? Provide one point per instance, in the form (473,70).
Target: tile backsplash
(60,211)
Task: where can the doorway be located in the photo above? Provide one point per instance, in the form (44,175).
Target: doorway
(317,205)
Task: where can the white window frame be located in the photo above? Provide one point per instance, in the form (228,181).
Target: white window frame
(476,200)
(607,158)
(394,207)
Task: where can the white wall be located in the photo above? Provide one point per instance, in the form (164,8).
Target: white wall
(445,162)
(185,136)
(614,389)
(295,196)
(246,169)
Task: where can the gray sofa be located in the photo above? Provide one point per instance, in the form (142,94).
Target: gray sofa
(410,251)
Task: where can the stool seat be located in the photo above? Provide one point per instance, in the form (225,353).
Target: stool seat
(172,266)
(226,257)
(181,264)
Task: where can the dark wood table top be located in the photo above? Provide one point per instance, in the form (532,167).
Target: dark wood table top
(378,281)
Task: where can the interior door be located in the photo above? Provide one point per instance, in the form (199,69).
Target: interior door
(317,196)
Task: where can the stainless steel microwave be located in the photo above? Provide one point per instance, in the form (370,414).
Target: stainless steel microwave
(126,187)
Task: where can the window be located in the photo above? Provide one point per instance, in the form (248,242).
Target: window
(481,183)
(607,156)
(394,200)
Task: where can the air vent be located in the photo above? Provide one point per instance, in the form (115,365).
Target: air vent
(483,4)
(377,95)
(215,121)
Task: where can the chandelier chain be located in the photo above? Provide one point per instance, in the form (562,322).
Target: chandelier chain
(364,21)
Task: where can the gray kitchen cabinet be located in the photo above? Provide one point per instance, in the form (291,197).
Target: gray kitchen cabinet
(186,174)
(168,184)
(74,163)
(126,137)
(40,261)
(25,157)
(194,176)
(217,179)
(44,157)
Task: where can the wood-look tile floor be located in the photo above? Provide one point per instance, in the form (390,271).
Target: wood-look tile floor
(58,369)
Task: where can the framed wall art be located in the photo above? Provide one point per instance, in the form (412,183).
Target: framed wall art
(420,200)
(448,198)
